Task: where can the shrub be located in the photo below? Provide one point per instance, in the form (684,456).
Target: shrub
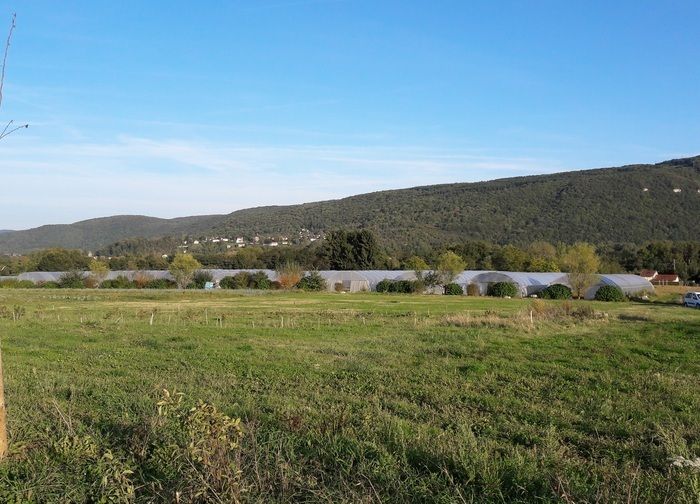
(71,280)
(453,289)
(609,293)
(289,274)
(121,282)
(382,286)
(200,278)
(260,280)
(473,290)
(502,289)
(160,283)
(227,283)
(240,280)
(555,291)
(141,279)
(313,282)
(196,450)
(48,285)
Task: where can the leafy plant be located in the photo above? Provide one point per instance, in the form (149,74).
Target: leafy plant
(502,289)
(200,279)
(555,291)
(72,280)
(453,289)
(610,293)
(289,274)
(313,282)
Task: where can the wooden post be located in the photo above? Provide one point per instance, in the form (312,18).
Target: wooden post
(3,414)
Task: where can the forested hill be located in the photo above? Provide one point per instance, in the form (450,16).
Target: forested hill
(602,205)
(94,233)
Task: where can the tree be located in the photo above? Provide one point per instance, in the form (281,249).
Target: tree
(418,265)
(581,261)
(449,265)
(99,271)
(182,269)
(351,250)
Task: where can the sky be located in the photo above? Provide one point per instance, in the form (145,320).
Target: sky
(173,108)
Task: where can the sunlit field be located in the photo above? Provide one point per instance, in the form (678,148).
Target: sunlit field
(347,398)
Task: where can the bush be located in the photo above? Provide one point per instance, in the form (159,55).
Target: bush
(121,282)
(453,289)
(260,280)
(227,283)
(238,281)
(47,285)
(400,286)
(502,289)
(556,291)
(71,280)
(383,285)
(200,278)
(289,274)
(473,290)
(160,283)
(609,293)
(313,282)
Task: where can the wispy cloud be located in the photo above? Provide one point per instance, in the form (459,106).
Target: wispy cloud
(170,177)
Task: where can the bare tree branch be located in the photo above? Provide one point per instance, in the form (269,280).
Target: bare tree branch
(7,131)
(4,58)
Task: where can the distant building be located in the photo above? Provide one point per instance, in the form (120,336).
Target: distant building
(648,274)
(666,279)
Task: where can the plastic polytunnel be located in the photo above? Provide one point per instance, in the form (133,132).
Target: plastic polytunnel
(631,285)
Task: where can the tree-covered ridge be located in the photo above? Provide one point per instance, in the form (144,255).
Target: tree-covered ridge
(602,205)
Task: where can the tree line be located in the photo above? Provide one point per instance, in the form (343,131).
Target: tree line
(360,249)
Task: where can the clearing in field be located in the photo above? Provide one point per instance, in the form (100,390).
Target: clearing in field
(347,398)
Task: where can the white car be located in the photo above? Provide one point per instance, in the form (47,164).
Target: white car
(692,299)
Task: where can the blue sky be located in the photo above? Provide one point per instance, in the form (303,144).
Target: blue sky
(179,108)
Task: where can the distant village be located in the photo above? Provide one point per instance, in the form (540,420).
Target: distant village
(221,242)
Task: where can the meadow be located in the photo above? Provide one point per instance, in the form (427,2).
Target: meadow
(347,398)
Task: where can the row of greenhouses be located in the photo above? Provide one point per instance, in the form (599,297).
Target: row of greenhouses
(356,281)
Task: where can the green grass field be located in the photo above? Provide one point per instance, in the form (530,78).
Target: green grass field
(347,398)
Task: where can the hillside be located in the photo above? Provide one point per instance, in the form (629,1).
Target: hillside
(601,205)
(93,233)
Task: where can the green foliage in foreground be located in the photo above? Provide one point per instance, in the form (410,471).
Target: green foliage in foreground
(347,398)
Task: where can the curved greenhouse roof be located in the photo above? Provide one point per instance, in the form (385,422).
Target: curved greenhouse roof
(353,281)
